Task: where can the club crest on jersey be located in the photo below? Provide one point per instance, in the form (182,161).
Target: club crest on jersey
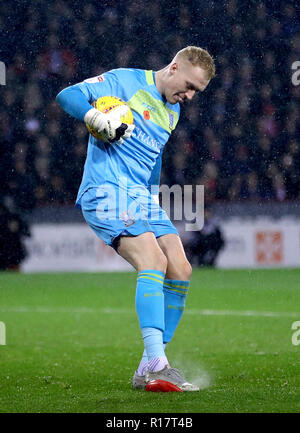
(171,120)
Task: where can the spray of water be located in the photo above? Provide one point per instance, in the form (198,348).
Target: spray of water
(193,372)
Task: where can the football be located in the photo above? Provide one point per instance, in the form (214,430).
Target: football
(106,104)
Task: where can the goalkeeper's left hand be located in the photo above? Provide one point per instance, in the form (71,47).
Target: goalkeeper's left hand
(110,123)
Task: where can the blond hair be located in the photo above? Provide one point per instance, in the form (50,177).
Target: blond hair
(199,57)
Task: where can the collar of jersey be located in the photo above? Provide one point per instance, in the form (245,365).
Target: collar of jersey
(150,78)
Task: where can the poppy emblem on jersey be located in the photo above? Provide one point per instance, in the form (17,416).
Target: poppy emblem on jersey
(146,115)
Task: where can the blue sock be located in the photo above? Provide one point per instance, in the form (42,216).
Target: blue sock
(150,311)
(149,299)
(144,362)
(175,292)
(153,341)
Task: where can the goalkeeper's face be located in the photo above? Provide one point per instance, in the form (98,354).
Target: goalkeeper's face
(184,81)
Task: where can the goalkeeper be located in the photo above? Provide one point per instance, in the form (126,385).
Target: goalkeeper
(125,168)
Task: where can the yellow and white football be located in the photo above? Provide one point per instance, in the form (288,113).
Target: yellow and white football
(105,104)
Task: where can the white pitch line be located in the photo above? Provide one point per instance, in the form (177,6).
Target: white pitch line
(193,312)
(245,313)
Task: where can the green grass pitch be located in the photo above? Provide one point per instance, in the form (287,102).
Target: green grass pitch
(73,343)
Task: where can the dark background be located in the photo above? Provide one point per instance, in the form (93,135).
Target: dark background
(240,138)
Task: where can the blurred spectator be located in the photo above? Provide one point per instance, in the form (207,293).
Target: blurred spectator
(13,229)
(206,243)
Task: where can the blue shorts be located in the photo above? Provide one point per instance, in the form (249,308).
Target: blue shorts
(113,212)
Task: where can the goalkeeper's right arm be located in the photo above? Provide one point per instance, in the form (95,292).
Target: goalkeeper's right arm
(74,102)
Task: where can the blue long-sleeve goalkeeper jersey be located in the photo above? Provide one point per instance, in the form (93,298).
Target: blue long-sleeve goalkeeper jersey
(138,159)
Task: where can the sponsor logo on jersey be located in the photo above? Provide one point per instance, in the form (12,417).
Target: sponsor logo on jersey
(149,107)
(146,139)
(97,79)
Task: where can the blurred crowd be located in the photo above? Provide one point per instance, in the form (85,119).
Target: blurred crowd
(240,138)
